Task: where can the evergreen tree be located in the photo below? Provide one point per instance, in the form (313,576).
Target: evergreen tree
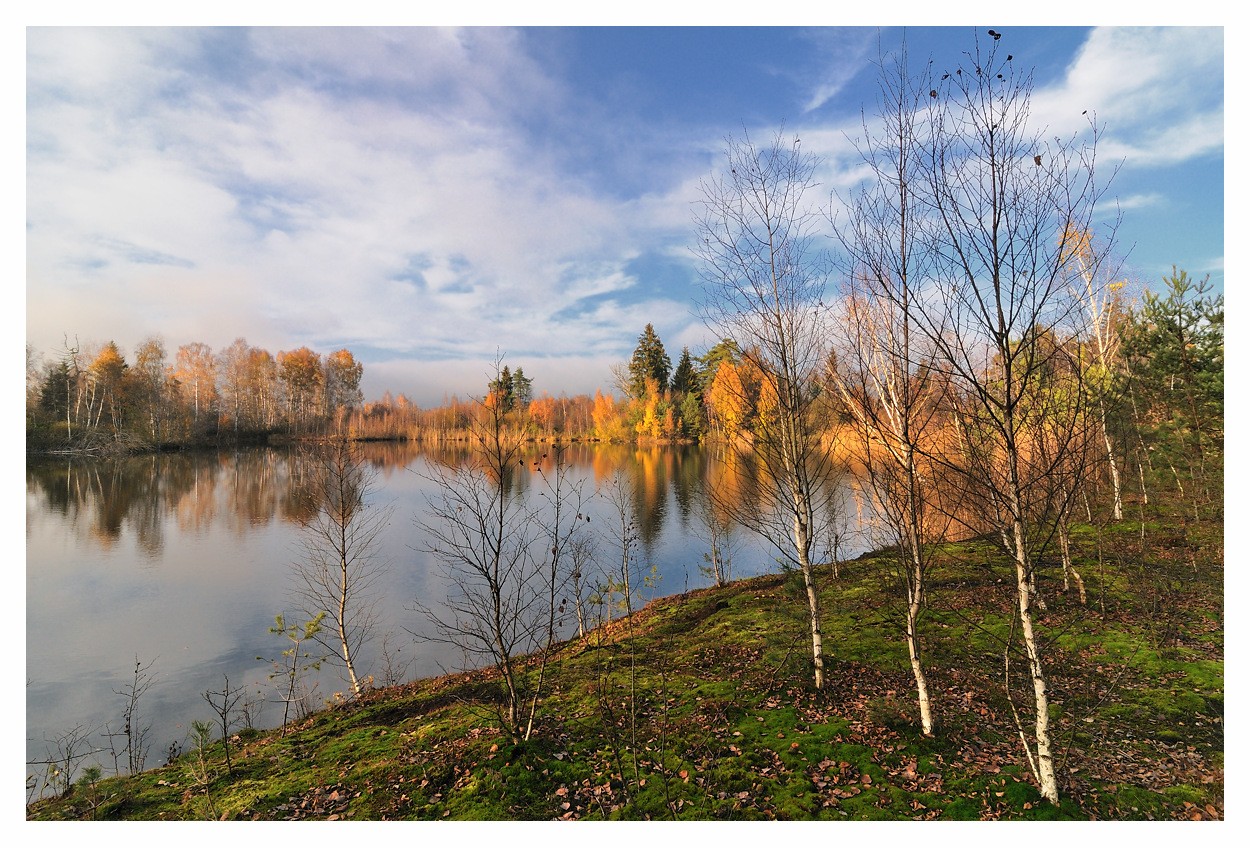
(685,379)
(649,360)
(522,389)
(725,349)
(54,395)
(503,389)
(1174,348)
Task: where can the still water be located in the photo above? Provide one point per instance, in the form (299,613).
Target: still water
(184,560)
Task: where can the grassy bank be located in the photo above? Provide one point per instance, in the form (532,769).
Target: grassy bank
(701,707)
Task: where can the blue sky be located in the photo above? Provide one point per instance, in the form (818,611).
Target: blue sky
(426,197)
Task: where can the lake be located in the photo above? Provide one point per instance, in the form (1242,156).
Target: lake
(183,560)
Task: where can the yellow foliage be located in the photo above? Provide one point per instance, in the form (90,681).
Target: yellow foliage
(606,416)
(726,397)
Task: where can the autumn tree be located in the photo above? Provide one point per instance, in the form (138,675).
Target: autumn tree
(606,416)
(107,377)
(543,411)
(1101,306)
(728,401)
(154,381)
(342,381)
(764,287)
(232,379)
(195,368)
(303,379)
(263,388)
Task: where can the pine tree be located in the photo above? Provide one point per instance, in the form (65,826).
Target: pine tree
(685,380)
(649,360)
(725,349)
(1174,346)
(522,389)
(503,389)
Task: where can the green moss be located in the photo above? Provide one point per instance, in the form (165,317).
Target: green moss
(725,724)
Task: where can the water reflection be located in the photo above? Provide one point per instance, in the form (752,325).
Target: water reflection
(247,489)
(185,559)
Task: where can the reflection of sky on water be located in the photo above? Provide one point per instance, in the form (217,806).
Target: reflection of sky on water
(184,560)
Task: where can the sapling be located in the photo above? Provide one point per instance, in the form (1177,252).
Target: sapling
(202,740)
(339,571)
(136,735)
(295,660)
(224,703)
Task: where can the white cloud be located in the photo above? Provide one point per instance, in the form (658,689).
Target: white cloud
(1159,91)
(300,197)
(842,53)
(1140,201)
(389,190)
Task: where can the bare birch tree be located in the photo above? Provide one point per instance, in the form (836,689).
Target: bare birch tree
(1101,305)
(883,373)
(341,564)
(714,527)
(501,597)
(1004,201)
(764,287)
(561,514)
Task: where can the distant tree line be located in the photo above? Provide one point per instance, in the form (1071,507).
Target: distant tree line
(95,399)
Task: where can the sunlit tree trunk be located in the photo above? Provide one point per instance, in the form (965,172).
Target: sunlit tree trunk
(879,372)
(765,287)
(1005,204)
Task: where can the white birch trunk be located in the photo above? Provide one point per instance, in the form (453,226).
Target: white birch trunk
(1045,766)
(913,652)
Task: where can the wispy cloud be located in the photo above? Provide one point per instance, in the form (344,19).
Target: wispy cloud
(1163,86)
(842,53)
(301,191)
(1140,201)
(438,194)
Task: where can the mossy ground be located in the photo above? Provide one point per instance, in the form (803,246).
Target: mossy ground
(702,707)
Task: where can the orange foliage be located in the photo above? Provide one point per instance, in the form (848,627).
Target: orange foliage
(727,399)
(606,416)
